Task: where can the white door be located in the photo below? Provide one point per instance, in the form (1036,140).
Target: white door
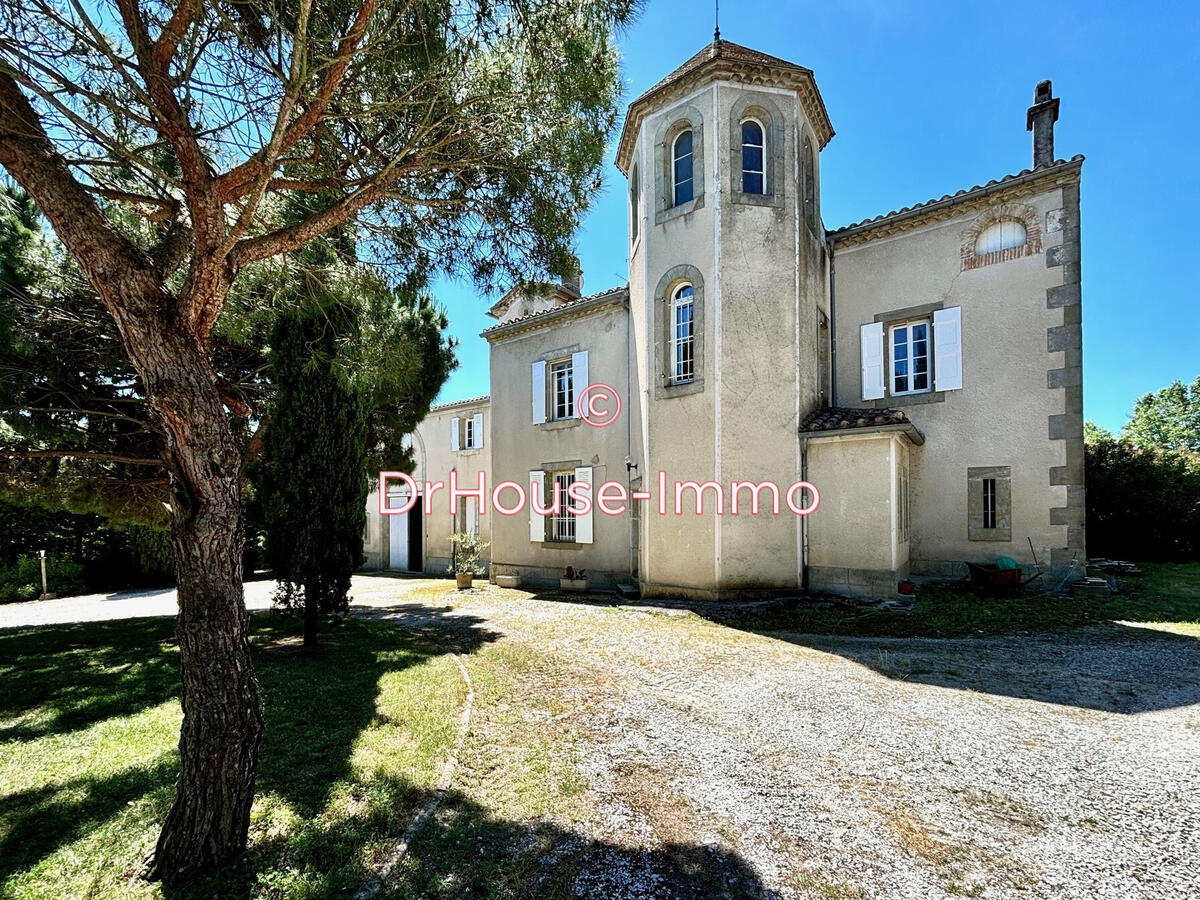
(398,531)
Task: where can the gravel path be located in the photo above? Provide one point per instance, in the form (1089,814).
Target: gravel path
(1033,767)
(1043,767)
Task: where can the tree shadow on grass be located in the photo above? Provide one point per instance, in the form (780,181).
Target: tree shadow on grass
(465,851)
(62,678)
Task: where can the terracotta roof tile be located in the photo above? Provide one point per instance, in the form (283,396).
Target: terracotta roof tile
(835,418)
(917,207)
(556,309)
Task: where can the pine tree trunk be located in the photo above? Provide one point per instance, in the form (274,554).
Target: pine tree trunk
(166,338)
(209,820)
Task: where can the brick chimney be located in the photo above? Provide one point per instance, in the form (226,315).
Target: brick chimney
(1040,120)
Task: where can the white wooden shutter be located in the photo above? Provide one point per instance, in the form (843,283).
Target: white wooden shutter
(454,431)
(583,524)
(579,377)
(539,393)
(478,428)
(947,349)
(472,523)
(537,523)
(871,340)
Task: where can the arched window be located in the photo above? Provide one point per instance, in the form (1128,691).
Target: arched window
(754,158)
(682,335)
(681,168)
(635,204)
(1002,235)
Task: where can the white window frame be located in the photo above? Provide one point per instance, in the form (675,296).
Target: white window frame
(762,172)
(676,340)
(675,160)
(891,357)
(468,433)
(565,410)
(561,526)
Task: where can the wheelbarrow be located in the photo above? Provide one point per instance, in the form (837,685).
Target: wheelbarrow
(1001,576)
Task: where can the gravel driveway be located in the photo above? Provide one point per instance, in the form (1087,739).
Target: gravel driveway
(1042,767)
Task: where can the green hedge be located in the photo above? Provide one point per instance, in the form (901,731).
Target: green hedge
(1142,503)
(23,581)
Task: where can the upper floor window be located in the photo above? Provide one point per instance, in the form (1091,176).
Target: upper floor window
(563,389)
(910,357)
(682,335)
(1002,235)
(466,432)
(635,210)
(754,156)
(681,168)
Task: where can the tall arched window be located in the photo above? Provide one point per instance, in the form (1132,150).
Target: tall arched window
(681,168)
(635,204)
(754,158)
(682,335)
(1002,235)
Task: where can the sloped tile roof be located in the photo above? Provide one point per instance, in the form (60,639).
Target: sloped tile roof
(721,49)
(555,310)
(836,418)
(964,194)
(467,402)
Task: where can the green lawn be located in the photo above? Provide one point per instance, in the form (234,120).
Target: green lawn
(89,720)
(1166,597)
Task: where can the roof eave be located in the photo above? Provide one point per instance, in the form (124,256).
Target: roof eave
(707,72)
(1057,168)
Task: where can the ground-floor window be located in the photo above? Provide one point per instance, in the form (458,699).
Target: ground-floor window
(561,524)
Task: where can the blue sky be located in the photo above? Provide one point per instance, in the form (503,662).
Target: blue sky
(928,98)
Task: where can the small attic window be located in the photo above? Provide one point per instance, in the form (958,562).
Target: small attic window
(1002,235)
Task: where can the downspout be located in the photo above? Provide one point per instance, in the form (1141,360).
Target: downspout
(832,326)
(804,520)
(633,520)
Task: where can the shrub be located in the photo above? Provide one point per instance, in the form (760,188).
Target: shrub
(23,581)
(1142,503)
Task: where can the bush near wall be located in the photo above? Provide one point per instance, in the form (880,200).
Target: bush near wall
(23,580)
(1142,503)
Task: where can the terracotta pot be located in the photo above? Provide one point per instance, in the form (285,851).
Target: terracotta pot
(464,579)
(906,587)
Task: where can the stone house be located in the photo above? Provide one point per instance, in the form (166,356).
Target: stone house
(921,370)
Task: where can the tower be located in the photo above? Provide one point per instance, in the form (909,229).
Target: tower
(729,311)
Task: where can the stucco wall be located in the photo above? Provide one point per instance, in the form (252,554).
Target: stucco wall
(1002,414)
(519,445)
(762,274)
(435,459)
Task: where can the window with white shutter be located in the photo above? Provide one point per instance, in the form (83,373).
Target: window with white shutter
(583,524)
(477,422)
(871,347)
(947,349)
(455,425)
(537,492)
(539,393)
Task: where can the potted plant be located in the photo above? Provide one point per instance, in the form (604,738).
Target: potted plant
(467,564)
(574,580)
